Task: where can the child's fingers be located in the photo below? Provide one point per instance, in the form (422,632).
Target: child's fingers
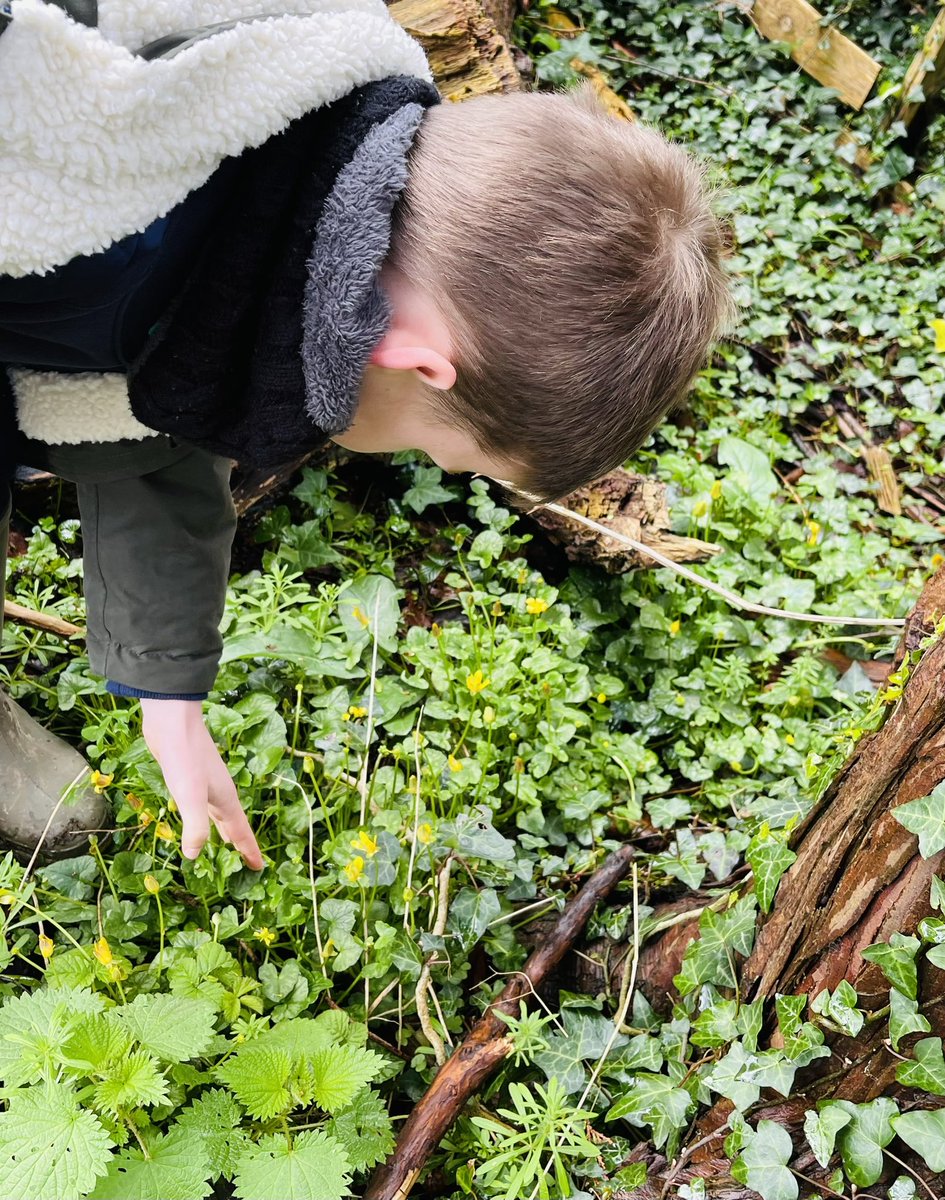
(230,819)
(191,800)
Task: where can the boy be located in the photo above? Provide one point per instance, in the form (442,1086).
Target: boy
(240,241)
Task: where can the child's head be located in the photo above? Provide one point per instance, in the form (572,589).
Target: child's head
(556,282)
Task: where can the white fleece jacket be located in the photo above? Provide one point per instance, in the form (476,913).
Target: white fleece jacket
(96,143)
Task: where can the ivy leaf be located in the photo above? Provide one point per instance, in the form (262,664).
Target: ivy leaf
(924,1132)
(937,894)
(928,1070)
(132,1081)
(862,1141)
(178,1169)
(925,818)
(364,1130)
(803,1042)
(762,1165)
(773,1069)
(821,1129)
(710,958)
(50,1148)
(840,1007)
(339,1073)
(173,1028)
(896,960)
(731,1077)
(904,1017)
(427,489)
(314,1165)
(936,956)
(586,1035)
(769,857)
(260,1079)
(654,1100)
(470,914)
(214,1118)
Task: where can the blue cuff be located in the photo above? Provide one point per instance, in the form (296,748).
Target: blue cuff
(122,689)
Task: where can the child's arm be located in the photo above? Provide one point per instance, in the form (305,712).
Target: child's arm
(157,552)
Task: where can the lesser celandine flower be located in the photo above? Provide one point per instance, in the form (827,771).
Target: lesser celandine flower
(700,508)
(365,842)
(151,885)
(46,946)
(164,831)
(813,532)
(536,606)
(264,934)
(674,628)
(716,491)
(354,870)
(100,782)
(103,952)
(476,683)
(601,697)
(360,617)
(938,328)
(425,833)
(453,763)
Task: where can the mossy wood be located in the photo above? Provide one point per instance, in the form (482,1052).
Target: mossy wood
(821,50)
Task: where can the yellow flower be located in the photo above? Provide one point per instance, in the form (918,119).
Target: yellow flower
(435,629)
(164,831)
(522,576)
(365,842)
(535,606)
(357,711)
(134,802)
(6,897)
(716,491)
(103,952)
(674,628)
(454,763)
(425,833)
(151,885)
(354,869)
(601,697)
(736,767)
(46,946)
(789,738)
(346,716)
(813,532)
(308,765)
(100,782)
(938,328)
(497,609)
(488,714)
(145,819)
(264,934)
(476,683)
(360,617)
(937,560)
(700,508)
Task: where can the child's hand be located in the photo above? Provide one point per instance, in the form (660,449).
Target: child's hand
(197,778)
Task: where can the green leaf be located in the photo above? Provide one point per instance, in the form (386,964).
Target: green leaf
(764,1163)
(427,489)
(586,1036)
(364,1130)
(372,599)
(50,1148)
(926,819)
(862,1141)
(131,1082)
(32,1028)
(821,1129)
(803,1042)
(924,1132)
(260,1079)
(339,1073)
(710,958)
(904,1017)
(178,1169)
(470,913)
(654,1100)
(937,894)
(731,1077)
(173,1028)
(214,1118)
(769,857)
(936,956)
(95,1043)
(896,960)
(928,1070)
(750,468)
(315,1165)
(840,1007)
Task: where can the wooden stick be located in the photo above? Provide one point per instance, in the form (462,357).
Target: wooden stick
(38,620)
(487,1043)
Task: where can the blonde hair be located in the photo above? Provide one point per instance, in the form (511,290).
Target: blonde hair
(577,261)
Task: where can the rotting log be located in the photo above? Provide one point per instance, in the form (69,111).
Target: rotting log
(924,78)
(633,505)
(47,622)
(487,1044)
(822,51)
(858,878)
(467,54)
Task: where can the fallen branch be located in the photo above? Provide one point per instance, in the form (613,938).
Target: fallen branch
(487,1043)
(39,620)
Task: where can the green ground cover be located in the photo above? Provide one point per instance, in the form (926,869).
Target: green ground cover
(415,694)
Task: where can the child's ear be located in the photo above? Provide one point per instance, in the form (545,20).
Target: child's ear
(433,367)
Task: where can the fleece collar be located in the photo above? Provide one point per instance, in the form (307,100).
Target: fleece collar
(96,143)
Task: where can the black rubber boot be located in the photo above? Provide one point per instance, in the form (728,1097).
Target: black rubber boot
(46,798)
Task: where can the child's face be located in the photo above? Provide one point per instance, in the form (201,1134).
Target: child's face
(395,410)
